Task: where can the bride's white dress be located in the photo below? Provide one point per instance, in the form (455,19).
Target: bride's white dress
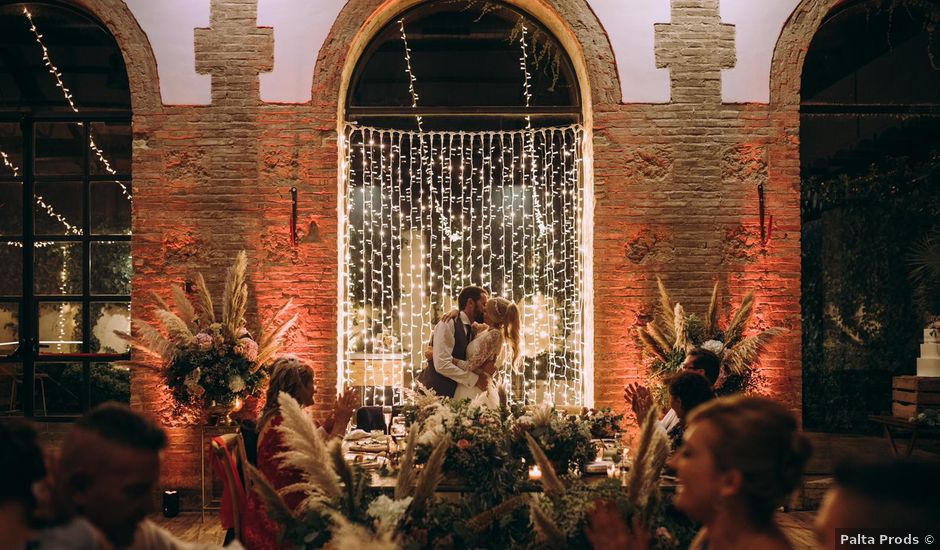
(487,345)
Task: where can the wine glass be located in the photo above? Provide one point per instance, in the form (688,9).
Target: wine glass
(387,413)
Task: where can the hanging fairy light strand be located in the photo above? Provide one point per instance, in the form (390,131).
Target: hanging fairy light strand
(391,195)
(67,95)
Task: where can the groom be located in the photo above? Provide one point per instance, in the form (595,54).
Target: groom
(449,342)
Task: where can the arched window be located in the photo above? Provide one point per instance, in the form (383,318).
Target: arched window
(65,211)
(462,165)
(869,149)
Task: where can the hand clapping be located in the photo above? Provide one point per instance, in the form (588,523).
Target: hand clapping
(640,400)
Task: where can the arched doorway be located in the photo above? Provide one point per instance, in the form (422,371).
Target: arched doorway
(65,211)
(461,159)
(870,144)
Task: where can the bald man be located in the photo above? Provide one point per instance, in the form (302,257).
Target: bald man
(109,468)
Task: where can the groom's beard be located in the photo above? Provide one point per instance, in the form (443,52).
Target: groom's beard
(479,317)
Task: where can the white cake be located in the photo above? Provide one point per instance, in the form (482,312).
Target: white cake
(928,364)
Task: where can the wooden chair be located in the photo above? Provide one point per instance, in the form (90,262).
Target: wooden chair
(228,452)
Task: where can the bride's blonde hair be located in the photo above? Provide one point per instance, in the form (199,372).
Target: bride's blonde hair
(507,313)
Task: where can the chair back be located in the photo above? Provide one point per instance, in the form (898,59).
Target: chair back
(228,460)
(370,418)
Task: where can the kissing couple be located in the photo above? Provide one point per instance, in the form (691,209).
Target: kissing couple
(466,348)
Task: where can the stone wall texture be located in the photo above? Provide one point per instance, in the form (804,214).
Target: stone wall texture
(675,187)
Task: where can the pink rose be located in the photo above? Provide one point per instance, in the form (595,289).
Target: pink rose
(247,348)
(463,444)
(203,341)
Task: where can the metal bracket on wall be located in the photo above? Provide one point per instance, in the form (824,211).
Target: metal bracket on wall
(293,216)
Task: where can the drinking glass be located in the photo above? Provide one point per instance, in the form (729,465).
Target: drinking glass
(387,413)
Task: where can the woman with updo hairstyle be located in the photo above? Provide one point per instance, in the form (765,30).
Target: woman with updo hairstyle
(742,458)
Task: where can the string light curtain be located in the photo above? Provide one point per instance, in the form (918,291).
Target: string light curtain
(429,212)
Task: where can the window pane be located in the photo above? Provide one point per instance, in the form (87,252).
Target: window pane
(58,268)
(105,319)
(11,143)
(110,208)
(60,327)
(11,269)
(11,208)
(111,153)
(111,268)
(9,327)
(11,389)
(58,208)
(110,382)
(59,388)
(59,148)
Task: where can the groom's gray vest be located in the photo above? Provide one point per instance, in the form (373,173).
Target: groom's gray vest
(441,384)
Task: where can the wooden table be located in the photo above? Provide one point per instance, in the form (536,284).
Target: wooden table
(897,428)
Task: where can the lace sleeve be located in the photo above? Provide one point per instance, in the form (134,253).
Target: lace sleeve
(490,342)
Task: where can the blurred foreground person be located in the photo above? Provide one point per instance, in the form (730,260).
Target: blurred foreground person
(108,471)
(898,495)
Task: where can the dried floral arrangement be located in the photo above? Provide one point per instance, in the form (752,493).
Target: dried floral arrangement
(207,360)
(674,333)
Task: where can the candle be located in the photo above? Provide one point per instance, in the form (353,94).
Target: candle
(535,473)
(613,471)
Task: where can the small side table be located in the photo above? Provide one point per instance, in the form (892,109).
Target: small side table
(206,493)
(897,428)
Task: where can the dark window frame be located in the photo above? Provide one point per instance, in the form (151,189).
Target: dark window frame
(28,353)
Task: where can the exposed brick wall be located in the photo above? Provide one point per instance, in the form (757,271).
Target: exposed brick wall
(675,186)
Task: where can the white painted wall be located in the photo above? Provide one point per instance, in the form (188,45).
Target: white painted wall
(758,24)
(301,27)
(170,25)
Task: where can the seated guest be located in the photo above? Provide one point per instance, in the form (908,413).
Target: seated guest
(687,390)
(291,376)
(892,495)
(108,470)
(742,457)
(702,361)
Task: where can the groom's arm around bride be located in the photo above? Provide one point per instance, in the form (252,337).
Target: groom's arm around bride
(443,344)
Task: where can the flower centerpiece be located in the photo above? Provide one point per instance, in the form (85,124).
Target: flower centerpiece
(561,513)
(604,423)
(481,453)
(566,440)
(669,337)
(211,361)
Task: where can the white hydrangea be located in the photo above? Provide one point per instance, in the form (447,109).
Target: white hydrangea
(714,346)
(236,384)
(436,426)
(387,512)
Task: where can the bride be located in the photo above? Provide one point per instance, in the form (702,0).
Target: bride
(500,325)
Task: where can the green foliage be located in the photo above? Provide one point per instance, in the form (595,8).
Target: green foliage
(604,423)
(862,321)
(566,441)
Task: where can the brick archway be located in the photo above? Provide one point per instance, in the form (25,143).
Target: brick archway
(784,151)
(578,31)
(572,23)
(139,60)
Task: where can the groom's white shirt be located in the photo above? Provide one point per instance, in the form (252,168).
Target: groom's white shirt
(443,352)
